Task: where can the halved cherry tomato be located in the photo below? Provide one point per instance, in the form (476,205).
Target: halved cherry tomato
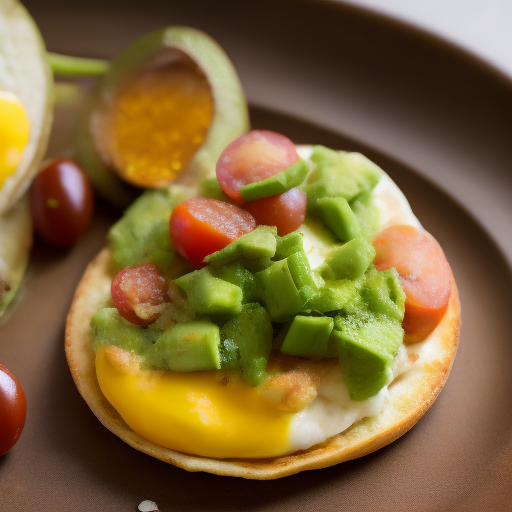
(201,226)
(254,156)
(425,275)
(61,200)
(13,410)
(138,292)
(285,211)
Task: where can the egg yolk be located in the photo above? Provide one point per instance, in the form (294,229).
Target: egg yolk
(14,134)
(199,413)
(157,123)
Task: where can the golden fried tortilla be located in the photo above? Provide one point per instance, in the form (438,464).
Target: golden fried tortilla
(410,395)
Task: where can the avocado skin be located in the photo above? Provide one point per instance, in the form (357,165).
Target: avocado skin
(230,120)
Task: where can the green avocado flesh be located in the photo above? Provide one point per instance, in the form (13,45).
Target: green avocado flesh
(260,292)
(162,48)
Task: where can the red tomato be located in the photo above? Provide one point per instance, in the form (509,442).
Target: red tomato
(13,410)
(425,275)
(254,156)
(61,200)
(201,226)
(285,211)
(137,290)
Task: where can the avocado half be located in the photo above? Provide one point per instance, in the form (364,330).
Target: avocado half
(24,71)
(159,48)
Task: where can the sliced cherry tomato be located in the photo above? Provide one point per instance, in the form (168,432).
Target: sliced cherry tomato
(13,410)
(138,292)
(425,275)
(201,226)
(61,200)
(254,156)
(285,211)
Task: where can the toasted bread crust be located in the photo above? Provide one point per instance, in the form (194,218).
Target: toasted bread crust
(409,398)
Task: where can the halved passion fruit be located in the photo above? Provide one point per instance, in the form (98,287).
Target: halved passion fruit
(163,113)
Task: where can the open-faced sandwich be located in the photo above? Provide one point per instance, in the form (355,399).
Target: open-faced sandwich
(286,313)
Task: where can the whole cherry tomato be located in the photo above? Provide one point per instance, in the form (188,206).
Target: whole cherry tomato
(201,226)
(13,410)
(285,211)
(252,157)
(138,291)
(61,200)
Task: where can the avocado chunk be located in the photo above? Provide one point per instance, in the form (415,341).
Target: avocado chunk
(308,336)
(384,294)
(287,245)
(339,217)
(110,328)
(287,286)
(191,346)
(348,261)
(235,273)
(209,295)
(161,63)
(339,174)
(281,182)
(258,244)
(251,333)
(333,296)
(367,214)
(366,348)
(142,234)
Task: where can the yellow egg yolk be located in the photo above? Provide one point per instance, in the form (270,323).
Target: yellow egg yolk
(14,134)
(199,413)
(157,123)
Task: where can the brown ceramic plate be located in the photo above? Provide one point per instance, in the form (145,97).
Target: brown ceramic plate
(439,121)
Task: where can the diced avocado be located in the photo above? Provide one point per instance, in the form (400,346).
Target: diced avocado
(258,244)
(210,188)
(281,296)
(287,245)
(209,295)
(300,270)
(333,296)
(339,174)
(291,177)
(383,293)
(250,331)
(339,217)
(308,336)
(109,328)
(367,214)
(235,273)
(142,234)
(348,261)
(191,346)
(366,350)
(229,354)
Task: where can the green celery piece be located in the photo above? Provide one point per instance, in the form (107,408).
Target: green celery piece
(308,336)
(258,244)
(142,234)
(235,273)
(250,331)
(333,296)
(191,346)
(209,295)
(281,182)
